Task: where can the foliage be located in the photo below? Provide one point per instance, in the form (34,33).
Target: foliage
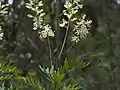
(50,78)
(4,88)
(7,70)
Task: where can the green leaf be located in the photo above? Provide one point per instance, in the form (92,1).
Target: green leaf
(66,65)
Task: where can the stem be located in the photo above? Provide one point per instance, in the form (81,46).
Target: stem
(70,47)
(56,29)
(50,52)
(63,45)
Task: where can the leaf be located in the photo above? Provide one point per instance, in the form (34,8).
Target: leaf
(66,65)
(46,74)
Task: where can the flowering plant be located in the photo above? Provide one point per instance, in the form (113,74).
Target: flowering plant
(80,28)
(81,25)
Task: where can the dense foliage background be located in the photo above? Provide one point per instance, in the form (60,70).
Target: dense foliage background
(30,60)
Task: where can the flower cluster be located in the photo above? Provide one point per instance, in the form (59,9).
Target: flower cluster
(64,23)
(38,24)
(46,32)
(81,29)
(3,14)
(71,9)
(1,33)
(81,26)
(3,9)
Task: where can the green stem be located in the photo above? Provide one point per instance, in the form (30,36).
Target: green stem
(70,47)
(63,45)
(50,52)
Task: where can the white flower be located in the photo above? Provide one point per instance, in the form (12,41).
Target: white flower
(1,33)
(40,4)
(35,26)
(68,5)
(72,8)
(47,31)
(80,5)
(73,19)
(64,23)
(74,11)
(88,22)
(75,39)
(80,29)
(30,16)
(84,16)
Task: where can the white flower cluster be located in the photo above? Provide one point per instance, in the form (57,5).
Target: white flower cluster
(3,13)
(3,9)
(43,29)
(64,23)
(71,9)
(81,26)
(1,33)
(81,29)
(46,32)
